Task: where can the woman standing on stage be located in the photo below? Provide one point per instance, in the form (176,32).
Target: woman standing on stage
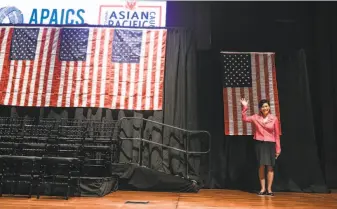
(267,141)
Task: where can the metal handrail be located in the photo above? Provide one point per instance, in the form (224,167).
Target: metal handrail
(176,128)
(186,151)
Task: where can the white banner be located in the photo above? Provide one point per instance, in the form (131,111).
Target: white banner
(122,13)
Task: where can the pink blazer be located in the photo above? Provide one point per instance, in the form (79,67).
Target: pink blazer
(269,131)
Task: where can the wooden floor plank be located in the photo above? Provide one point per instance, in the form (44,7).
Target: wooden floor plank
(205,199)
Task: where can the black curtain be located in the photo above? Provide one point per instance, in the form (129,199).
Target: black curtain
(180,99)
(323,65)
(304,41)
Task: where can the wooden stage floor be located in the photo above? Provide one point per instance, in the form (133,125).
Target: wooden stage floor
(205,199)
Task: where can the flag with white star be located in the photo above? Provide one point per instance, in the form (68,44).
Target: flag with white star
(82,67)
(250,75)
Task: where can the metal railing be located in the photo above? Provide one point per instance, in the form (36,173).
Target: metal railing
(186,140)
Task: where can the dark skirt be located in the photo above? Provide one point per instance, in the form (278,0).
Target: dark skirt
(265,153)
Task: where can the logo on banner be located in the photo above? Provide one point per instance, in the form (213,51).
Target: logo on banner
(11,15)
(130,4)
(130,14)
(70,16)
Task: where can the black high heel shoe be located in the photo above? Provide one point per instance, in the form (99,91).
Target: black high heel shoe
(262,193)
(270,194)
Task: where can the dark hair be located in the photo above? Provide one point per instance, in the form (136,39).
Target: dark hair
(262,102)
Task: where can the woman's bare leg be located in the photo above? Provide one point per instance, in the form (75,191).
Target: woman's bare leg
(262,178)
(270,177)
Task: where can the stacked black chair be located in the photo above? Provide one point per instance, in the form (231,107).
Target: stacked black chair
(46,152)
(16,170)
(17,166)
(100,146)
(51,174)
(60,164)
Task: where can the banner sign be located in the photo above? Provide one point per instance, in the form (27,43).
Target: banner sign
(118,13)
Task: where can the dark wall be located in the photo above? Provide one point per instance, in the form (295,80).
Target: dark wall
(195,15)
(259,26)
(281,27)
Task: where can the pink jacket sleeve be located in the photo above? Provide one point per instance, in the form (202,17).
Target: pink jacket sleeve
(244,115)
(277,136)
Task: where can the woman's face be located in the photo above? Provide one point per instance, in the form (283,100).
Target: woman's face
(265,109)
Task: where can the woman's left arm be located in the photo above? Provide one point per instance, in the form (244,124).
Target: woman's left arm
(277,136)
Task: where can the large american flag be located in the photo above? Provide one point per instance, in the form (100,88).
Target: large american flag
(82,67)
(247,75)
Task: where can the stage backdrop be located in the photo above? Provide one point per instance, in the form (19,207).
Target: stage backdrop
(252,76)
(82,67)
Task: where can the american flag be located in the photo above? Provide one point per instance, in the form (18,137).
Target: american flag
(252,76)
(82,67)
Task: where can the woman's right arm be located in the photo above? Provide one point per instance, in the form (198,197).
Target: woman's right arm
(244,114)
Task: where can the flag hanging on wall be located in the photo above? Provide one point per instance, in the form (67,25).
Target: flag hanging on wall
(250,75)
(82,67)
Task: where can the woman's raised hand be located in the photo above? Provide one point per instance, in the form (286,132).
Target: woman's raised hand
(244,102)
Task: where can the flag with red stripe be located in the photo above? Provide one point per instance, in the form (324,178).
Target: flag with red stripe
(247,75)
(82,67)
